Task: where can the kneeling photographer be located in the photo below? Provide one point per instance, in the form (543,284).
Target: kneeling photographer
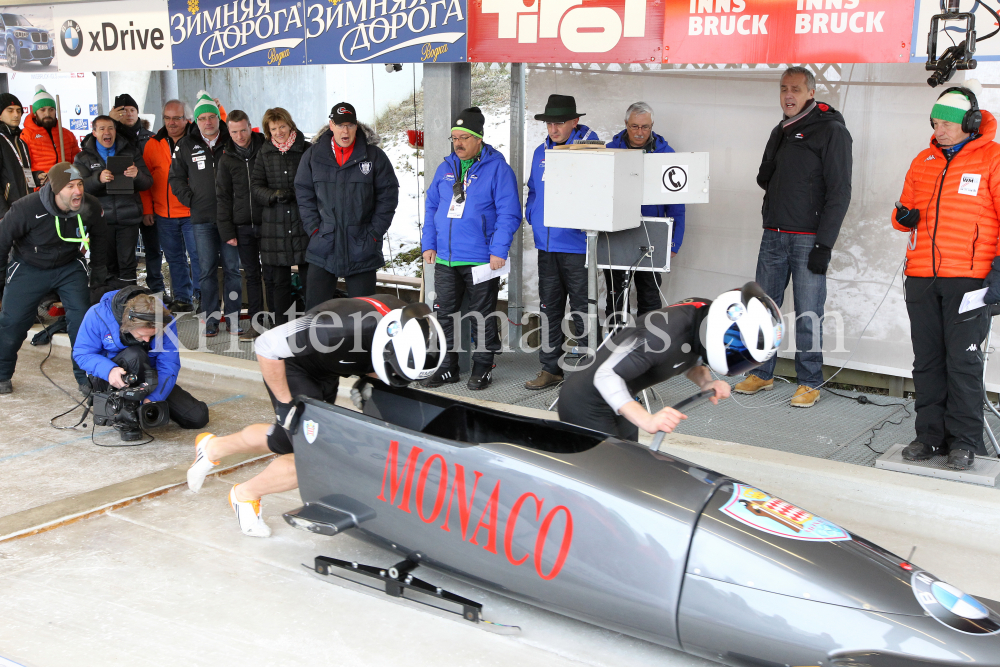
(127,344)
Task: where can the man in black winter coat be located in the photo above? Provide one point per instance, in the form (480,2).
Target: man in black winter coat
(122,212)
(48,231)
(806,176)
(238,214)
(347,193)
(192,180)
(16,179)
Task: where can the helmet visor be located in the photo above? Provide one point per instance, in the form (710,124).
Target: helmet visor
(738,357)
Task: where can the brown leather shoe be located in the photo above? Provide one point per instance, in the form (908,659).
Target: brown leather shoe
(753,384)
(805,397)
(545,379)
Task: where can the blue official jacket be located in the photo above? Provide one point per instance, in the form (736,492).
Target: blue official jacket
(675,211)
(99,340)
(552,239)
(492,209)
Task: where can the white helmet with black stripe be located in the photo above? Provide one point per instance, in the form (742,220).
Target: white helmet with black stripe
(743,330)
(407,345)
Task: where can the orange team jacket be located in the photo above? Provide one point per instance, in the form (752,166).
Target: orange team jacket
(44,147)
(958,203)
(160,199)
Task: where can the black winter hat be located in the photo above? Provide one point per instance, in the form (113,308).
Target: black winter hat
(126,100)
(9,100)
(470,120)
(343,113)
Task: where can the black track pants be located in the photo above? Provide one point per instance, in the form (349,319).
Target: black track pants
(451,284)
(561,275)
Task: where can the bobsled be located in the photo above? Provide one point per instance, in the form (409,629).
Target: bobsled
(606,531)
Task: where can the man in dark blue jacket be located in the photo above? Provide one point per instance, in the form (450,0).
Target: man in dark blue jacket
(562,253)
(472,212)
(638,134)
(118,338)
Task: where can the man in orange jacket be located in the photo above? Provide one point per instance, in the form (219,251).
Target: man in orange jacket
(949,206)
(42,138)
(172,218)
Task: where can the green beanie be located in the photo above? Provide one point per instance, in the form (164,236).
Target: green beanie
(952,106)
(42,99)
(205,104)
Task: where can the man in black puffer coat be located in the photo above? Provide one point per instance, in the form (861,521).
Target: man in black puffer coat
(123,213)
(239,215)
(282,241)
(347,193)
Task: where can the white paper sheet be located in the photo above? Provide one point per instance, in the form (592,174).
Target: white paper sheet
(973,300)
(483,272)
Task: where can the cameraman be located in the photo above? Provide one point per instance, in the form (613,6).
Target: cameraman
(130,332)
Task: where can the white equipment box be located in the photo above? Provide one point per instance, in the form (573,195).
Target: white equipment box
(597,189)
(674,178)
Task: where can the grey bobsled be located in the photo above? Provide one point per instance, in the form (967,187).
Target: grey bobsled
(640,542)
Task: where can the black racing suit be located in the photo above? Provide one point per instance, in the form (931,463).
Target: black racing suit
(666,344)
(330,341)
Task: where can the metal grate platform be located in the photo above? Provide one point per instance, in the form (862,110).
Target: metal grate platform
(225,343)
(983,471)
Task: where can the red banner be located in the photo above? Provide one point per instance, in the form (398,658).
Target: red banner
(690,31)
(544,31)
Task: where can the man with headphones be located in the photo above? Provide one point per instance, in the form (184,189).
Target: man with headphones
(379,336)
(735,333)
(949,207)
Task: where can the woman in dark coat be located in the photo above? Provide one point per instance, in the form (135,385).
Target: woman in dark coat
(283,242)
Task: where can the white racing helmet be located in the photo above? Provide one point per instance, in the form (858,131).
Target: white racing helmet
(743,330)
(407,345)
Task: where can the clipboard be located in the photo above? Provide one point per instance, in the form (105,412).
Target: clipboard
(122,185)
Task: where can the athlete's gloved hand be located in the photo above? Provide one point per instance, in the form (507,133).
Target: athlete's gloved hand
(992,281)
(287,415)
(360,393)
(819,259)
(907,217)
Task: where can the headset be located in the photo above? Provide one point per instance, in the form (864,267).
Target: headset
(973,118)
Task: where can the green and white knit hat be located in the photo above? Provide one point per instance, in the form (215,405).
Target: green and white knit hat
(41,99)
(952,106)
(205,104)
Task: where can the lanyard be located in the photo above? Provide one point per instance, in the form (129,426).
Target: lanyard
(27,182)
(17,153)
(83,238)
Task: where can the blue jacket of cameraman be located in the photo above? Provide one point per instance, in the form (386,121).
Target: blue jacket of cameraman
(99,341)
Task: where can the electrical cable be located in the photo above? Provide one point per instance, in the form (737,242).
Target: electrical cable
(995,15)
(41,368)
(864,400)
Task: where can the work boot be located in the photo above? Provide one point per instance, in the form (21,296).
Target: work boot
(918,451)
(805,397)
(179,306)
(482,376)
(249,333)
(960,459)
(6,387)
(544,379)
(443,376)
(753,384)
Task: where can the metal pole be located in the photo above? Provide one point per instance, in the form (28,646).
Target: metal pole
(515,286)
(594,335)
(103,92)
(62,149)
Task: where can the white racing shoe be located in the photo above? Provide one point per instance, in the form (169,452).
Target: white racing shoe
(202,465)
(248,514)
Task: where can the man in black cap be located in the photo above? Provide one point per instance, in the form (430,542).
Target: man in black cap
(347,193)
(48,232)
(562,253)
(127,124)
(472,213)
(16,179)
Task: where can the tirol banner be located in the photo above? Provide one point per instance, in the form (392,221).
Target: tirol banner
(787,31)
(543,31)
(383,31)
(112,36)
(240,33)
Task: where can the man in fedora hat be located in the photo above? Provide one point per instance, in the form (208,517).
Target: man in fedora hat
(561,252)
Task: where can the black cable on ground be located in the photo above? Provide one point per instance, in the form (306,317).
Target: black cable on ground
(41,368)
(864,400)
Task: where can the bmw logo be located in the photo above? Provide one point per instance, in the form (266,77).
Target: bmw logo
(77,109)
(393,329)
(950,606)
(71,37)
(735,312)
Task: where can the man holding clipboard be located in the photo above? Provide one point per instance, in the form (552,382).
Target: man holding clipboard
(113,171)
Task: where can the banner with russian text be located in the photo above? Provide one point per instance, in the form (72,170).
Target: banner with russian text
(386,31)
(787,31)
(240,33)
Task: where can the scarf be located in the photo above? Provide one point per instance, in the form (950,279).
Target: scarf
(284,147)
(468,163)
(799,116)
(244,153)
(105,153)
(341,154)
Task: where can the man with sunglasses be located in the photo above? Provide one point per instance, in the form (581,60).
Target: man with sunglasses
(562,253)
(472,213)
(49,232)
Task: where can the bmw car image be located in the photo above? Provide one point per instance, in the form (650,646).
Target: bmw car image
(24,43)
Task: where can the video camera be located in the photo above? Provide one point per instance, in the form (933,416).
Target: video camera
(125,411)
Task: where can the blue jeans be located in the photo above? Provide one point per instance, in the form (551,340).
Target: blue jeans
(210,250)
(783,256)
(177,238)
